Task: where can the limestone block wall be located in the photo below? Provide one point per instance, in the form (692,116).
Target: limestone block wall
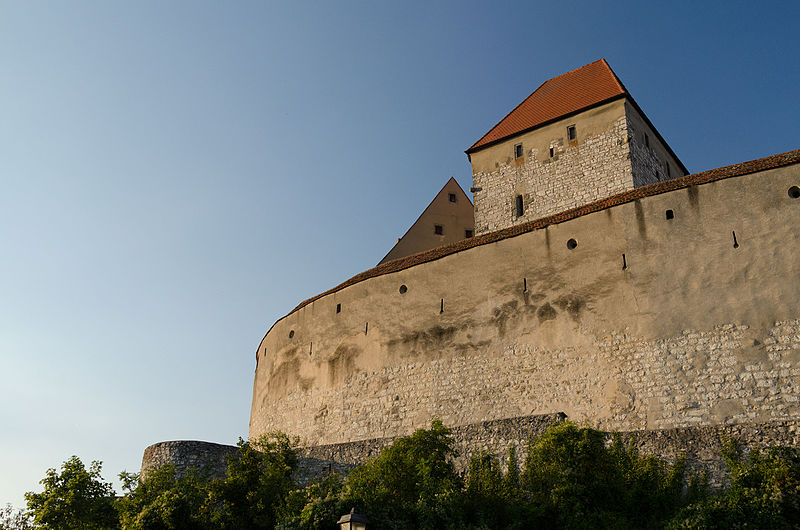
(596,165)
(651,160)
(208,457)
(621,318)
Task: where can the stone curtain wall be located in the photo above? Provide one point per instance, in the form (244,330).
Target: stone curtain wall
(597,167)
(725,375)
(650,322)
(188,454)
(702,446)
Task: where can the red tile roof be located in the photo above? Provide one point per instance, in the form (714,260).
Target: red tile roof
(558,97)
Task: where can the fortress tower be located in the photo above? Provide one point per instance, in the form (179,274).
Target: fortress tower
(577,138)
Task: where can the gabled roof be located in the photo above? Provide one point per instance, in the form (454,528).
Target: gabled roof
(418,238)
(558,97)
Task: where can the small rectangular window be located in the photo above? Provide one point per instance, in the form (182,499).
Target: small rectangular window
(518,151)
(468,233)
(666,166)
(520,206)
(551,152)
(438,229)
(572,133)
(452,197)
(646,140)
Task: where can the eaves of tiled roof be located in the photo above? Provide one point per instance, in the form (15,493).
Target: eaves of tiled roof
(735,170)
(556,98)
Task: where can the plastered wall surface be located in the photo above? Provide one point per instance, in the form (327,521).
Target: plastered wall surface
(690,328)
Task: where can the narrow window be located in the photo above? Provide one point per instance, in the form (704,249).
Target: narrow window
(551,151)
(624,262)
(572,133)
(338,308)
(468,233)
(441,306)
(520,206)
(670,215)
(666,166)
(438,230)
(524,285)
(735,242)
(518,151)
(452,197)
(291,334)
(646,141)
(366,328)
(310,348)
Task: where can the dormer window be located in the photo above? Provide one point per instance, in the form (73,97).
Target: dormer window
(518,151)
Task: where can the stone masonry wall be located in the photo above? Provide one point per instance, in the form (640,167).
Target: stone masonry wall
(726,375)
(702,446)
(208,457)
(598,166)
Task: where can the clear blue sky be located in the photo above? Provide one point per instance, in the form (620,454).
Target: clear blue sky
(178,175)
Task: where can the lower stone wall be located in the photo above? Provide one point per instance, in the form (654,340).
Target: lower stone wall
(702,446)
(495,436)
(188,454)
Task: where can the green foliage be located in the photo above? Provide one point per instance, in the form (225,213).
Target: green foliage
(74,498)
(579,482)
(412,482)
(572,478)
(318,505)
(764,493)
(258,482)
(164,501)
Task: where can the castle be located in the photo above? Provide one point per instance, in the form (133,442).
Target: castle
(602,282)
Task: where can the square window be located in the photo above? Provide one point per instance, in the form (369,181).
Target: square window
(572,133)
(438,230)
(452,197)
(468,233)
(518,151)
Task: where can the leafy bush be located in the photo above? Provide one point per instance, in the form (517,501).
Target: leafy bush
(74,498)
(764,493)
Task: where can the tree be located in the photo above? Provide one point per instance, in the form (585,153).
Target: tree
(11,519)
(764,493)
(258,482)
(164,500)
(74,498)
(412,483)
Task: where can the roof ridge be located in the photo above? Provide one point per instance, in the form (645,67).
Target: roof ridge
(616,77)
(560,96)
(600,60)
